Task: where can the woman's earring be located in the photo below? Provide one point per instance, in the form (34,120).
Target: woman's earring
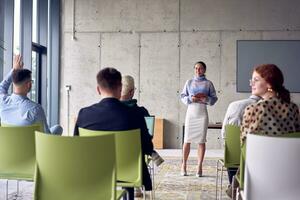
(270,90)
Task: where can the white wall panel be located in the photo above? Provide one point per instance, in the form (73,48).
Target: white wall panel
(80,67)
(67,15)
(236,15)
(127,15)
(159,80)
(121,51)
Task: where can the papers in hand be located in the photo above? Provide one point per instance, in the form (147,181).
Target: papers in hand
(200,95)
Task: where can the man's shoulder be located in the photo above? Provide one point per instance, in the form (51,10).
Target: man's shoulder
(90,108)
(31,105)
(106,106)
(4,98)
(242,102)
(143,111)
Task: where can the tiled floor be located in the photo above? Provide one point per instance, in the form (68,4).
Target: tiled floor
(169,184)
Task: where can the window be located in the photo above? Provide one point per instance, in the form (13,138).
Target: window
(31,28)
(16,30)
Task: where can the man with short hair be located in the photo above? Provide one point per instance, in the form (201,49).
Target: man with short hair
(112,115)
(128,89)
(235,112)
(234,116)
(17,109)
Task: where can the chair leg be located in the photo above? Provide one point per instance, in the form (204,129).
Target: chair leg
(6,190)
(144,193)
(153,185)
(152,194)
(217,178)
(235,188)
(221,183)
(17,188)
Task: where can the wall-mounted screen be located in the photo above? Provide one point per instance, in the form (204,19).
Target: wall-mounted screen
(283,53)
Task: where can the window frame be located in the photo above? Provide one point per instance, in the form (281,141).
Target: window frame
(48,30)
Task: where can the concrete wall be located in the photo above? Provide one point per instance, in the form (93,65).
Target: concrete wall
(157,42)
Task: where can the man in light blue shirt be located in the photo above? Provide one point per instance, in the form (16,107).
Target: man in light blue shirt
(235,112)
(17,109)
(234,116)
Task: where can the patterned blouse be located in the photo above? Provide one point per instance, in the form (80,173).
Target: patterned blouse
(270,117)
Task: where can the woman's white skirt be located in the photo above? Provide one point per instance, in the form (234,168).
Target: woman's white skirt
(196,122)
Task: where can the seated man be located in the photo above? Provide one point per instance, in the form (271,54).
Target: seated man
(17,109)
(111,115)
(127,94)
(234,116)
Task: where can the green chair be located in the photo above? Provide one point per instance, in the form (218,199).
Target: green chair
(17,153)
(291,135)
(40,126)
(75,168)
(128,154)
(232,153)
(240,175)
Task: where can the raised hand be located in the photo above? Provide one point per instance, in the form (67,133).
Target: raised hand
(18,62)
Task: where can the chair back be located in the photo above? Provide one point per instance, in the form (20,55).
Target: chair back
(150,122)
(291,135)
(75,168)
(241,175)
(128,154)
(17,152)
(232,146)
(272,168)
(40,126)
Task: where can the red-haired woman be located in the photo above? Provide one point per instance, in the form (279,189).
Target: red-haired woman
(275,114)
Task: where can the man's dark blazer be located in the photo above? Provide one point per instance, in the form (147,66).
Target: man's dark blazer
(112,115)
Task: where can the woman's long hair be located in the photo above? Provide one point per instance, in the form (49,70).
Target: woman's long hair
(273,75)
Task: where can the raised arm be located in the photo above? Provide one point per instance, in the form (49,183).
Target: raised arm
(4,85)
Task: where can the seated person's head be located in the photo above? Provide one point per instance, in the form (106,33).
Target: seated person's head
(22,82)
(127,87)
(109,82)
(267,81)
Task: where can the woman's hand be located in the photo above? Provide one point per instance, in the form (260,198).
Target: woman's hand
(203,99)
(199,98)
(195,99)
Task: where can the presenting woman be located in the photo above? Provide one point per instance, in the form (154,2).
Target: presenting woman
(196,94)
